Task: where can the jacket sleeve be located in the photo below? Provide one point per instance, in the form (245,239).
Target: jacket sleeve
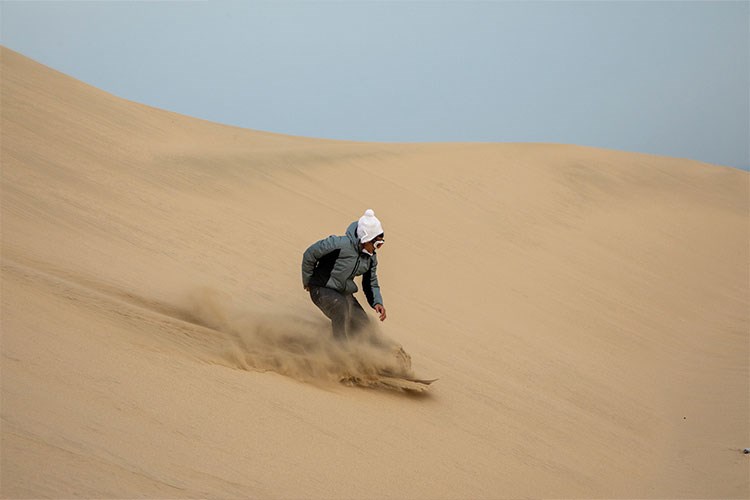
(370,285)
(313,253)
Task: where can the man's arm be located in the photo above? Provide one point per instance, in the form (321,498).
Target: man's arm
(372,289)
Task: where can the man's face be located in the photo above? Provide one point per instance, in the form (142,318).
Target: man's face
(375,244)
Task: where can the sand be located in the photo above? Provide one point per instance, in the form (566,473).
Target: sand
(587,312)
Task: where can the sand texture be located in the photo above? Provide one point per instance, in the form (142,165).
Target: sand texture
(586,312)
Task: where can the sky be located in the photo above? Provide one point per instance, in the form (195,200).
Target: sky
(669,78)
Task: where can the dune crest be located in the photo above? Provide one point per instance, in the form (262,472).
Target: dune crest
(586,311)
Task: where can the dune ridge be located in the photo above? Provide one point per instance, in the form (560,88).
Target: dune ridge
(586,311)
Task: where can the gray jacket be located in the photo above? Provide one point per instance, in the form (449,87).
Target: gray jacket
(333,263)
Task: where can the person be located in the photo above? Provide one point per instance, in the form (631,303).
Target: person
(329,267)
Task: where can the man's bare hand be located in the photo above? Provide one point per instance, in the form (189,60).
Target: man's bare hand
(381,311)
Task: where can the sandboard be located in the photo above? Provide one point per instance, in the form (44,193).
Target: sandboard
(407,384)
(391,381)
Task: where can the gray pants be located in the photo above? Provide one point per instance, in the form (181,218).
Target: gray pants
(344,311)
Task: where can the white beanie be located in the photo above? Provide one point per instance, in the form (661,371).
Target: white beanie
(369,227)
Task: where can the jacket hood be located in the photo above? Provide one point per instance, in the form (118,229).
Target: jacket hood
(351,233)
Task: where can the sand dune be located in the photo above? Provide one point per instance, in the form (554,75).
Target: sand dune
(586,311)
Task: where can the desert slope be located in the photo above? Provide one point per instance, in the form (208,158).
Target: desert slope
(586,311)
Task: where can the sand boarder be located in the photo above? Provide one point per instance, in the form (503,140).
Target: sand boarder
(329,267)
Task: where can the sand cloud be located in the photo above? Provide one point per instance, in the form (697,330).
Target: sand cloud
(291,345)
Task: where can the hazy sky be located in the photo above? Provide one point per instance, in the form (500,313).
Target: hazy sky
(669,78)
